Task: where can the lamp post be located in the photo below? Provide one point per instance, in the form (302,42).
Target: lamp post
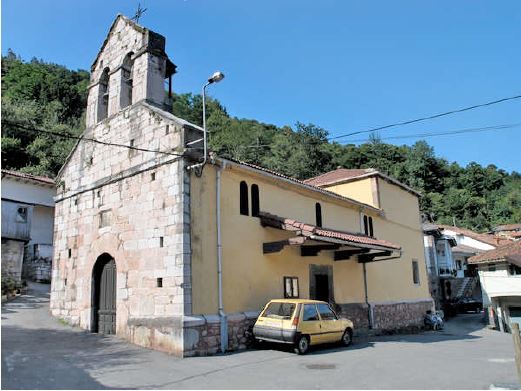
(215,78)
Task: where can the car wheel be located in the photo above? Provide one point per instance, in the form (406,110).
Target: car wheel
(302,345)
(347,337)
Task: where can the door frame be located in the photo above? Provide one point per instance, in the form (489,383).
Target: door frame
(97,271)
(324,270)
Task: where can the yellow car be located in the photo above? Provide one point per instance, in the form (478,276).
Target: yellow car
(302,323)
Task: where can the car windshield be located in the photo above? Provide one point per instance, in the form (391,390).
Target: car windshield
(279,310)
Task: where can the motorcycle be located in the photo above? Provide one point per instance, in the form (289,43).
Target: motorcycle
(433,320)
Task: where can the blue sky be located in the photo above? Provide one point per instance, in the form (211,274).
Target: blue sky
(342,65)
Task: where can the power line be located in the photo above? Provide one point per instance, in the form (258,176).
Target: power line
(449,132)
(428,134)
(427,118)
(80,138)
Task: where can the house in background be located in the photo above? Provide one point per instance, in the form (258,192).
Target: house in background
(500,275)
(447,251)
(181,256)
(27,225)
(439,261)
(508,231)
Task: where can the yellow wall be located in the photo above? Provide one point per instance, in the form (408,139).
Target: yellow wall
(251,278)
(361,190)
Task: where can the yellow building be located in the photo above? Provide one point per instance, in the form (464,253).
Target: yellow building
(317,239)
(182,259)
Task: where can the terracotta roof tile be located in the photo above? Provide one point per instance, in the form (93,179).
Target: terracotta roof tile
(337,175)
(312,230)
(28,176)
(482,237)
(512,249)
(508,227)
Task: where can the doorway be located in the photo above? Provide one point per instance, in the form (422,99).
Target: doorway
(321,283)
(322,287)
(104,295)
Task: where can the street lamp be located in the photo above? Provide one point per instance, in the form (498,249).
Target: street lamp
(215,78)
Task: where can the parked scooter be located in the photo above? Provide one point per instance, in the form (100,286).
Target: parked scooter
(433,320)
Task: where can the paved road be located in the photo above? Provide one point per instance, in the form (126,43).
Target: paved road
(39,352)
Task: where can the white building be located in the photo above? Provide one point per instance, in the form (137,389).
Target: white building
(500,276)
(27,225)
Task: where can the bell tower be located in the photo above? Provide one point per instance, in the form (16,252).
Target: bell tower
(131,66)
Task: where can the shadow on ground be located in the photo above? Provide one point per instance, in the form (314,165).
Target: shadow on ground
(62,360)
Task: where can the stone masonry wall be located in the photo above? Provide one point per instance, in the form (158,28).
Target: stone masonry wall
(132,205)
(400,317)
(203,333)
(12,258)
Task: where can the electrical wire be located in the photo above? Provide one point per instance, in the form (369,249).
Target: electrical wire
(431,134)
(427,118)
(469,130)
(81,138)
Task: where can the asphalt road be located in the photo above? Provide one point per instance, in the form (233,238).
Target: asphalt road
(40,352)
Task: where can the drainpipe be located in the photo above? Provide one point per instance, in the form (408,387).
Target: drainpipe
(369,306)
(222,314)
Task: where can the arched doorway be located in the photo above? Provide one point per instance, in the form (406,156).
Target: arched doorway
(104,295)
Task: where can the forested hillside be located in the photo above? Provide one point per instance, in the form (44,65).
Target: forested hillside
(51,97)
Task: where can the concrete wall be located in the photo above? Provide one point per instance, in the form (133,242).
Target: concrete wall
(28,192)
(364,190)
(498,283)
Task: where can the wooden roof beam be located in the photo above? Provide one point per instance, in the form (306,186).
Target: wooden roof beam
(347,254)
(275,247)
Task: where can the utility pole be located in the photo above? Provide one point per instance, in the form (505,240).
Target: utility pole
(517,347)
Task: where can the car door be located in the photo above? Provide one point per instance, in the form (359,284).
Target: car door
(311,324)
(331,327)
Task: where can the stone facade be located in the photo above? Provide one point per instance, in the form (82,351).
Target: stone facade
(12,258)
(132,205)
(386,317)
(38,262)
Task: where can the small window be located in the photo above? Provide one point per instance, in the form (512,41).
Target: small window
(167,129)
(21,214)
(255,200)
(415,272)
(159,282)
(291,287)
(514,270)
(310,312)
(70,253)
(326,313)
(244,198)
(153,176)
(458,264)
(368,226)
(318,214)
(132,151)
(161,241)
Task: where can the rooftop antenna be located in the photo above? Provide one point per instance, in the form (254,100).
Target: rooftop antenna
(139,13)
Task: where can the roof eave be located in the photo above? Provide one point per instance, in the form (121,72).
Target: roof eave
(219,161)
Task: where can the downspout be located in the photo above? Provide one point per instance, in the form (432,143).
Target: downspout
(222,314)
(369,306)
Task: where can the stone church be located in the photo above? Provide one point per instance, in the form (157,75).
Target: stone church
(177,251)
